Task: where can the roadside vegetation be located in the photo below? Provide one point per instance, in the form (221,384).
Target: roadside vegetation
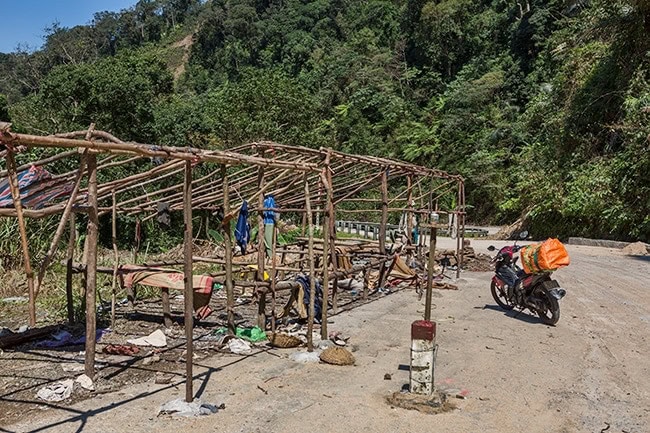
(542,105)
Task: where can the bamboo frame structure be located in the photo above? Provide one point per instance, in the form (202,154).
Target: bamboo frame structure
(191,180)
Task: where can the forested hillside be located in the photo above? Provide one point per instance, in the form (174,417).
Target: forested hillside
(543,105)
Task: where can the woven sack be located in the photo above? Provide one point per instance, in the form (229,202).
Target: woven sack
(547,256)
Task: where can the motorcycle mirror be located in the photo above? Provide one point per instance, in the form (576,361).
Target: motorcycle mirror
(523,235)
(491,248)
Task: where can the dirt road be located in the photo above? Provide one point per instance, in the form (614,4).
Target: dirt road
(590,373)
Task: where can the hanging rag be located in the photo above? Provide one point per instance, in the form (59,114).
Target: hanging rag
(269,223)
(163,215)
(242,229)
(318,298)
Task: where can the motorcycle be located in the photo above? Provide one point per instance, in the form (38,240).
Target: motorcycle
(511,287)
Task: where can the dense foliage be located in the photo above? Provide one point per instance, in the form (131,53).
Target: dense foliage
(543,105)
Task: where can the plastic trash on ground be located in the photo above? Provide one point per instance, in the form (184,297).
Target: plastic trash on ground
(239,346)
(156,339)
(58,391)
(181,408)
(305,357)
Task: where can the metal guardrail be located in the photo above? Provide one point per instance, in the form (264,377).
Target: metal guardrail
(369,230)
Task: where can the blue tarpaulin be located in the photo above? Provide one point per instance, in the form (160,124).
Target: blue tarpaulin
(37,188)
(242,229)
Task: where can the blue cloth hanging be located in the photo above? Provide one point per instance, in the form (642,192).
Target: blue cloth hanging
(269,215)
(242,229)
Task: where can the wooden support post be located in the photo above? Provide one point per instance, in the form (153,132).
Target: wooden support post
(430,269)
(166,308)
(60,228)
(459,244)
(261,252)
(409,206)
(366,283)
(283,258)
(15,193)
(331,210)
(327,226)
(312,278)
(68,269)
(382,228)
(188,279)
(273,279)
(91,266)
(384,211)
(116,260)
(227,241)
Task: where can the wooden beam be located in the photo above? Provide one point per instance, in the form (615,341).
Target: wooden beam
(312,282)
(261,252)
(91,266)
(409,206)
(331,211)
(54,245)
(188,280)
(68,268)
(326,248)
(430,272)
(116,261)
(166,152)
(227,242)
(18,205)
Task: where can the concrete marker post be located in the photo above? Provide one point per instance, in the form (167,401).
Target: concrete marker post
(423,343)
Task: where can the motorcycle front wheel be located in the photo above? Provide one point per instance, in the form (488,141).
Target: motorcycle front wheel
(550,308)
(500,295)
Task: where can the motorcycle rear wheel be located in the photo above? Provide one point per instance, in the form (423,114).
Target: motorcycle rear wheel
(550,311)
(501,297)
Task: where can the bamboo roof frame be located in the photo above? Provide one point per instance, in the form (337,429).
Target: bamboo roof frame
(165,174)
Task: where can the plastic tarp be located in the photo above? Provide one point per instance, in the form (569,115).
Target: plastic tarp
(37,188)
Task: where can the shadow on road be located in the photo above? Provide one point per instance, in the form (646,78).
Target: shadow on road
(515,314)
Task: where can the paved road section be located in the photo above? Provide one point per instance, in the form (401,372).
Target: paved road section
(588,373)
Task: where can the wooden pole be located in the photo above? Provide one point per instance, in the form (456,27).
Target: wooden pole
(273,276)
(430,271)
(326,248)
(261,251)
(331,211)
(409,206)
(188,279)
(312,280)
(227,241)
(166,152)
(384,222)
(61,227)
(91,266)
(68,273)
(461,225)
(459,246)
(116,260)
(384,211)
(15,193)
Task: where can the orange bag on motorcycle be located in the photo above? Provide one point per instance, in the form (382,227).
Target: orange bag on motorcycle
(547,256)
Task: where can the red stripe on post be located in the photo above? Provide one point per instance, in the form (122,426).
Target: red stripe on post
(423,330)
